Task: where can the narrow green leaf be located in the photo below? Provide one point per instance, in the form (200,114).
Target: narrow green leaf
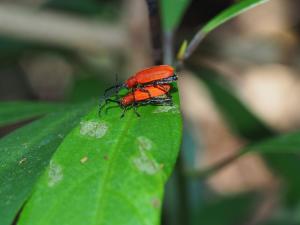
(12,112)
(109,170)
(285,143)
(182,50)
(221,18)
(231,12)
(287,166)
(25,153)
(172,11)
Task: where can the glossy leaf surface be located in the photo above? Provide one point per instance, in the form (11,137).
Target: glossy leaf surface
(25,153)
(109,170)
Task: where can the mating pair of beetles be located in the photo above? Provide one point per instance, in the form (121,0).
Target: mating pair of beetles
(148,86)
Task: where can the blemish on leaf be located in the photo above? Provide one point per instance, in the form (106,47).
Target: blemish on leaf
(22,161)
(165,109)
(84,159)
(25,145)
(106,157)
(55,174)
(93,129)
(145,164)
(156,203)
(144,143)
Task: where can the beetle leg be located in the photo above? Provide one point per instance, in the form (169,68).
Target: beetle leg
(100,106)
(135,110)
(106,101)
(123,113)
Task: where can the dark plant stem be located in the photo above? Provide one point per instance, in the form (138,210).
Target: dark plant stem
(155,27)
(168,47)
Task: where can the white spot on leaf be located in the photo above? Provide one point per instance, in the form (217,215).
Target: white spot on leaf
(84,159)
(144,143)
(164,109)
(156,203)
(93,129)
(22,161)
(55,174)
(145,164)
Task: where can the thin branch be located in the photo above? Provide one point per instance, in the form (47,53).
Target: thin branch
(194,43)
(206,172)
(60,30)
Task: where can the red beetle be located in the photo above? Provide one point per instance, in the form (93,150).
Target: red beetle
(155,76)
(158,96)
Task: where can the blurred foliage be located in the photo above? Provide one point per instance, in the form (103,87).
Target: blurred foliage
(172,11)
(218,20)
(86,88)
(107,9)
(130,195)
(234,10)
(11,112)
(239,117)
(226,210)
(247,125)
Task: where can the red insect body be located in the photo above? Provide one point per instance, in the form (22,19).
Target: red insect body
(146,88)
(149,75)
(147,92)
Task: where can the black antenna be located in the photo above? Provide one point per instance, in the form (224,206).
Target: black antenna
(117,83)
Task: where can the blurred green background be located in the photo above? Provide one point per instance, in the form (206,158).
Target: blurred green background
(241,86)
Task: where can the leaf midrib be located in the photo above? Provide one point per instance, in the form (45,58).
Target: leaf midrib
(108,172)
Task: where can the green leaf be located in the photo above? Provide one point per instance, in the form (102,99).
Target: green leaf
(221,18)
(172,11)
(285,143)
(287,166)
(230,12)
(12,112)
(25,153)
(109,170)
